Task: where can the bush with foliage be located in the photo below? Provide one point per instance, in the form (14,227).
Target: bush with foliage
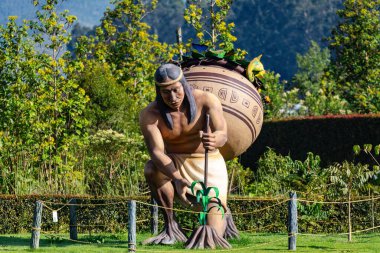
(114,164)
(109,105)
(277,175)
(239,176)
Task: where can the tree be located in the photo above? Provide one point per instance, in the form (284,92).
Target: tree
(209,20)
(311,68)
(349,179)
(109,106)
(120,61)
(43,104)
(319,92)
(18,73)
(77,31)
(124,44)
(355,46)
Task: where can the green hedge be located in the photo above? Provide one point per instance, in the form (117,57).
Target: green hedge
(330,137)
(96,215)
(263,215)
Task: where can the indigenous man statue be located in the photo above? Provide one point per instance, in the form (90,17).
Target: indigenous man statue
(173,129)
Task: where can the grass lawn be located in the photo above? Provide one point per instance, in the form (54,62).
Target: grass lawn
(254,242)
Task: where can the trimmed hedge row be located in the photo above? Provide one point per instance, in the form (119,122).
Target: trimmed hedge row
(330,137)
(96,215)
(249,215)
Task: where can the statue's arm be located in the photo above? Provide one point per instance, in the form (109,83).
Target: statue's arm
(218,136)
(156,147)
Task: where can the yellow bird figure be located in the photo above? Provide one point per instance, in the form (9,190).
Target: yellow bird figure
(255,67)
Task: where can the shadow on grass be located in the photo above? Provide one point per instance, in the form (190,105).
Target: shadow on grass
(316,247)
(57,241)
(14,241)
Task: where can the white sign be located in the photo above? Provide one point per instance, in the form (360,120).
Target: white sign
(55,216)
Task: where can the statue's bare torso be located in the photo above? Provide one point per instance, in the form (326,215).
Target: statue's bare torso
(185,136)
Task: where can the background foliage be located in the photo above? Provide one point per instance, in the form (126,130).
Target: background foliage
(69,118)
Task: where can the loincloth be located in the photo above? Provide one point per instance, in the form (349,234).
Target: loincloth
(191,167)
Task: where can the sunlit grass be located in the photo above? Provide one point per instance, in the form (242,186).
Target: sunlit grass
(249,242)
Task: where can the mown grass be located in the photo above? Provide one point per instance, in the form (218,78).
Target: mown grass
(255,242)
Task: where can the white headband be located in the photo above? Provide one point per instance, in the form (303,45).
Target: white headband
(171,81)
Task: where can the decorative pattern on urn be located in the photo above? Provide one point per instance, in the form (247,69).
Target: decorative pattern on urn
(241,103)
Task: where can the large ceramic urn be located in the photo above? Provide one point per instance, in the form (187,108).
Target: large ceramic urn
(242,106)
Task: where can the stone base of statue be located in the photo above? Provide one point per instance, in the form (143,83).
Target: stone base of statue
(206,237)
(171,234)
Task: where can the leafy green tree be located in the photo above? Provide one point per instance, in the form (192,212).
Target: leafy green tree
(123,40)
(132,54)
(355,46)
(77,31)
(60,100)
(43,104)
(279,103)
(319,92)
(109,106)
(18,68)
(348,179)
(311,69)
(121,59)
(209,20)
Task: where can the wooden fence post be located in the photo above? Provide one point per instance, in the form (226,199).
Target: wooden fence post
(154,217)
(73,220)
(349,217)
(36,227)
(292,221)
(131,226)
(373,211)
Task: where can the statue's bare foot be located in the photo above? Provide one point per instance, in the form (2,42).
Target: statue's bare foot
(171,234)
(206,237)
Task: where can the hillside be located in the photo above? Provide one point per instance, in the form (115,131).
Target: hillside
(278,29)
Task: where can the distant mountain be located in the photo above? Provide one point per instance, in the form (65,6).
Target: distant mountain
(278,29)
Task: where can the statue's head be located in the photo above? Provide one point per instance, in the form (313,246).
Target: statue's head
(172,92)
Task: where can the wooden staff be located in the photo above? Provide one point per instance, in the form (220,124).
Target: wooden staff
(206,150)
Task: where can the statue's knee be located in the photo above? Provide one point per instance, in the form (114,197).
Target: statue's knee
(150,169)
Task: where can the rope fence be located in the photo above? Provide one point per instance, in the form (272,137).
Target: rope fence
(291,224)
